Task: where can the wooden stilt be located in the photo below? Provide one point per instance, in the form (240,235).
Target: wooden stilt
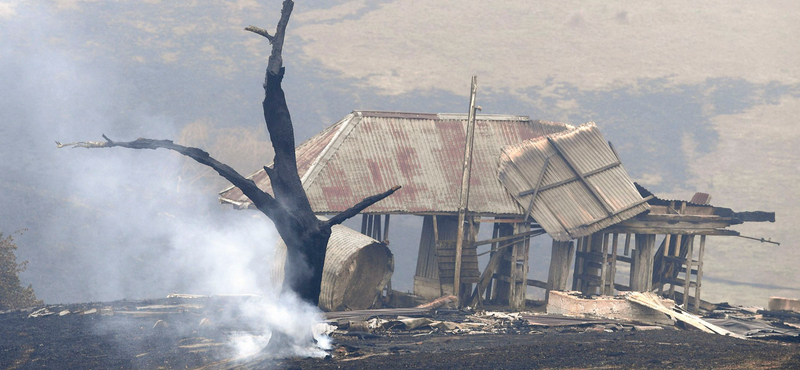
(603,266)
(578,264)
(627,244)
(674,266)
(662,274)
(386,229)
(699,273)
(688,277)
(613,274)
(495,233)
(377,232)
(642,270)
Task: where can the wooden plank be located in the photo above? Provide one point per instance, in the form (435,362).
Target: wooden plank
(590,187)
(678,282)
(510,237)
(592,278)
(690,210)
(537,283)
(674,224)
(670,230)
(567,181)
(622,288)
(623,209)
(536,189)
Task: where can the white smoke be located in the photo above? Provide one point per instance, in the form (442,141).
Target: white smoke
(108,224)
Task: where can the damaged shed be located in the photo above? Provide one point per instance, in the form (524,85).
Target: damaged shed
(423,153)
(529,177)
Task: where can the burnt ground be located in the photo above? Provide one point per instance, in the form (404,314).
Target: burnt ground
(102,340)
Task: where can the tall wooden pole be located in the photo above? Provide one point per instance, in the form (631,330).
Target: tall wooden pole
(465,175)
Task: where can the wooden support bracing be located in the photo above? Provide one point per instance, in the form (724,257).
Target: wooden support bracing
(536,189)
(508,265)
(609,209)
(595,267)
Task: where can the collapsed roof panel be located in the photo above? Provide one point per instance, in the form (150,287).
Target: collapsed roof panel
(577,180)
(369,152)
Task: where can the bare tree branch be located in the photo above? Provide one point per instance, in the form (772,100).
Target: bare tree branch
(259,31)
(263,201)
(356,209)
(275,60)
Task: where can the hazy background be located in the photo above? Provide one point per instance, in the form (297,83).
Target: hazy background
(695,97)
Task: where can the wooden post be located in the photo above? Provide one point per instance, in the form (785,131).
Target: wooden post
(578,264)
(386,229)
(687,280)
(699,273)
(376,228)
(613,274)
(519,268)
(495,233)
(560,260)
(673,270)
(603,266)
(370,220)
(627,244)
(642,269)
(465,176)
(662,271)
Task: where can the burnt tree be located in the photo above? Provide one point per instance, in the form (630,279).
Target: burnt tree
(306,236)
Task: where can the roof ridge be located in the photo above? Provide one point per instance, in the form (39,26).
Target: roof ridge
(348,123)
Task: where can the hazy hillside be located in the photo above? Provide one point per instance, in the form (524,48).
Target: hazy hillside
(695,97)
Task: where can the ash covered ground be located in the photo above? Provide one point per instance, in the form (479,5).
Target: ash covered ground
(194,334)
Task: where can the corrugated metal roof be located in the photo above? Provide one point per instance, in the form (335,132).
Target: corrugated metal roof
(565,206)
(369,152)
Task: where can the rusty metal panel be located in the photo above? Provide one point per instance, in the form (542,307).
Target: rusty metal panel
(369,152)
(306,153)
(565,206)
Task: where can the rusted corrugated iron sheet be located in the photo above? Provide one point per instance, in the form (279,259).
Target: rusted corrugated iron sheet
(369,152)
(306,153)
(565,206)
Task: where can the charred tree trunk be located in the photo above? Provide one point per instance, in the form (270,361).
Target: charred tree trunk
(306,236)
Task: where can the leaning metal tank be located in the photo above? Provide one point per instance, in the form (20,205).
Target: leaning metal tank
(357,268)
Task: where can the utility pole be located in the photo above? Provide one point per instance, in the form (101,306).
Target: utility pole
(465,176)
